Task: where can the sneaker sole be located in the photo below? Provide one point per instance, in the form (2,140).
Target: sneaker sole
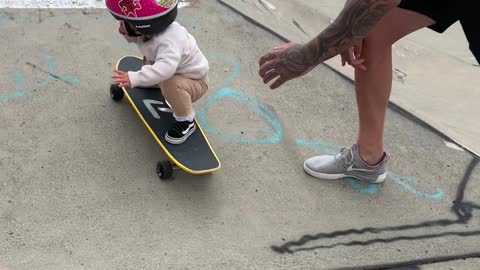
(315,174)
(182,140)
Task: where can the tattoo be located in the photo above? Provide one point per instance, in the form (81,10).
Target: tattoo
(355,21)
(294,60)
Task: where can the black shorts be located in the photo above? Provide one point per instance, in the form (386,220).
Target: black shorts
(447,12)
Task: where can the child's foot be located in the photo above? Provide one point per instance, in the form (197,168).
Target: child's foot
(180,131)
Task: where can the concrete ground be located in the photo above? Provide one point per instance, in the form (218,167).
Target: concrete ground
(78,188)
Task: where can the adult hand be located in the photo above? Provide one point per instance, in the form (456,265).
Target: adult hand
(353,55)
(285,63)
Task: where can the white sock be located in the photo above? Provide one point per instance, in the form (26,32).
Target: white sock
(182,119)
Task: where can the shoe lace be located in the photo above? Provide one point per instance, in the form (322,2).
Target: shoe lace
(345,157)
(179,127)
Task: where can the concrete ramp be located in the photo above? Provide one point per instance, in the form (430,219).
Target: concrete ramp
(436,78)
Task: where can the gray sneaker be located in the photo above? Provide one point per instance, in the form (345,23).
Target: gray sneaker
(347,163)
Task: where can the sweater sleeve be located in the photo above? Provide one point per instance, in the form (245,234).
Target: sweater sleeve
(168,57)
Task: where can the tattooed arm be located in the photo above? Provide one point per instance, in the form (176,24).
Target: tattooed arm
(354,23)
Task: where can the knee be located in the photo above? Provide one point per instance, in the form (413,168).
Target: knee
(170,86)
(170,83)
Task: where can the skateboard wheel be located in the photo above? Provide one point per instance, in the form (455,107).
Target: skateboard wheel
(164,169)
(116,92)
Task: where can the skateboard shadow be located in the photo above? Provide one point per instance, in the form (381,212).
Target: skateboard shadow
(195,191)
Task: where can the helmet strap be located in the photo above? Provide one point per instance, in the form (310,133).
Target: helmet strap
(131,32)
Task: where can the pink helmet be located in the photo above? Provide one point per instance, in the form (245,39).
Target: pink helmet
(146,16)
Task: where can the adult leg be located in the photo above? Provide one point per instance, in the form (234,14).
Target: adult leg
(373,86)
(366,160)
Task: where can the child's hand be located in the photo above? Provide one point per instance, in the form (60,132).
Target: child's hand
(121,78)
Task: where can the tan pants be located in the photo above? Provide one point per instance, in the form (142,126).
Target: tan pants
(181,92)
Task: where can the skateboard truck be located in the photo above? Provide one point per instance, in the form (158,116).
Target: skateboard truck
(165,169)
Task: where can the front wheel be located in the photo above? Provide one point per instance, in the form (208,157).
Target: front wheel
(116,92)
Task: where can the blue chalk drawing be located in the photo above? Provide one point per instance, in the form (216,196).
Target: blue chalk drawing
(404,181)
(275,132)
(2,17)
(369,189)
(21,84)
(12,96)
(51,70)
(19,80)
(71,79)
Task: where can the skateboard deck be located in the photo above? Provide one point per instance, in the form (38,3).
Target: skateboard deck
(195,155)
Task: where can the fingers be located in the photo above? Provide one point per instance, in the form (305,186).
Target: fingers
(358,61)
(267,57)
(120,78)
(266,67)
(271,65)
(279,82)
(344,62)
(357,54)
(119,82)
(359,49)
(116,78)
(351,55)
(123,83)
(358,64)
(353,59)
(360,67)
(119,74)
(270,76)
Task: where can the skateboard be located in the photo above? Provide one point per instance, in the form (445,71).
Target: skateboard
(194,156)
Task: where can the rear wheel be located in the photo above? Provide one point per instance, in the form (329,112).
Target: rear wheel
(164,169)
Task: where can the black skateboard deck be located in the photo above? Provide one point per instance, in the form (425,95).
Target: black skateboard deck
(195,155)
